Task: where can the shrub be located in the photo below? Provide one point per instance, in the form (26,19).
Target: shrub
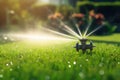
(96,19)
(104,8)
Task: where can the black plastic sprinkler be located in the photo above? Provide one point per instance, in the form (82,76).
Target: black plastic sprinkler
(84,46)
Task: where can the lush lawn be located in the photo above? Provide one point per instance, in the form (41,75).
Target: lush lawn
(58,60)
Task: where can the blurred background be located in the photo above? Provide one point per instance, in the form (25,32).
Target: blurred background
(24,15)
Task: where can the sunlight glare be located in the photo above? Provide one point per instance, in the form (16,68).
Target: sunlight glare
(43,1)
(39,37)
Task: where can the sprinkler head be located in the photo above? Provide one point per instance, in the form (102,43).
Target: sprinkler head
(84,46)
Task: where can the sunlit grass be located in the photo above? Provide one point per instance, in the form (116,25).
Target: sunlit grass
(58,60)
(113,37)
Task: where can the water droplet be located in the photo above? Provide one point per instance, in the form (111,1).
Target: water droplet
(11,63)
(5,38)
(74,62)
(87,60)
(12,12)
(1,76)
(101,72)
(7,64)
(81,75)
(80,65)
(118,62)
(68,62)
(11,69)
(69,66)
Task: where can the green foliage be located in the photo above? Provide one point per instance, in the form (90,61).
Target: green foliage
(110,10)
(58,60)
(99,3)
(43,11)
(14,12)
(110,28)
(107,29)
(66,11)
(25,4)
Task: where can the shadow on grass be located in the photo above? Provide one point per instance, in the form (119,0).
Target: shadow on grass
(88,52)
(107,42)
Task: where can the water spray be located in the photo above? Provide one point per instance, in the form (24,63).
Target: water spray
(66,27)
(84,46)
(81,37)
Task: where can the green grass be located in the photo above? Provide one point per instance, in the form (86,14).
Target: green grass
(54,60)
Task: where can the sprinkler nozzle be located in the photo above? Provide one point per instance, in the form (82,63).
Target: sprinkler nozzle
(84,46)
